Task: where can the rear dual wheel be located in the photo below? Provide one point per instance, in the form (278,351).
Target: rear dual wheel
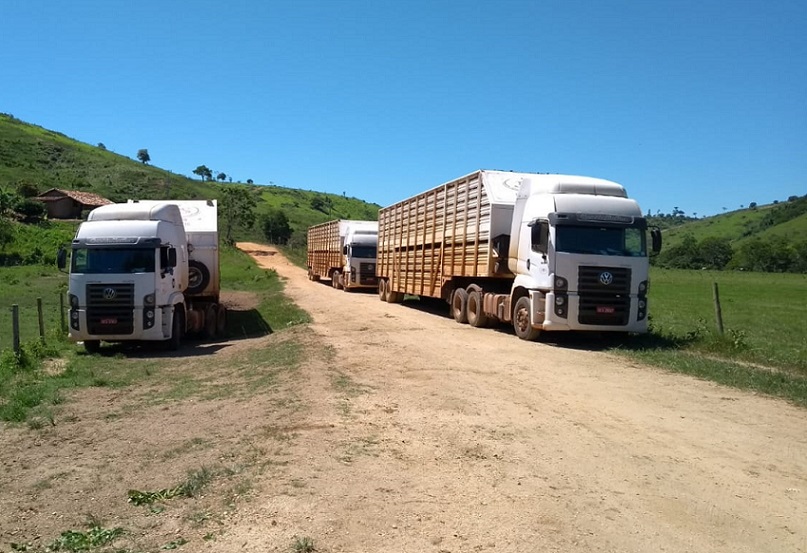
(474,308)
(459,305)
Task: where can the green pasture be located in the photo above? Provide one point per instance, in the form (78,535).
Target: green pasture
(764,314)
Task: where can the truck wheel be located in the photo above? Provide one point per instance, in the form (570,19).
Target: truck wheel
(474,308)
(521,320)
(221,321)
(198,277)
(92,346)
(383,289)
(177,325)
(459,305)
(211,321)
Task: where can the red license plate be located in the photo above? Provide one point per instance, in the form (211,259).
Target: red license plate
(604,309)
(109,321)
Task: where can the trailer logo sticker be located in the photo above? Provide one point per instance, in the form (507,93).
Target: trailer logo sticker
(606,278)
(110,293)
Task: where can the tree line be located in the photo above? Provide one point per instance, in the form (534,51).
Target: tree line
(773,255)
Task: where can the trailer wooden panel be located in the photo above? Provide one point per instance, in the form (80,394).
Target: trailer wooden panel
(427,240)
(324,249)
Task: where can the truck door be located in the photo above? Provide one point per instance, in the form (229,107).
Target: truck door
(538,261)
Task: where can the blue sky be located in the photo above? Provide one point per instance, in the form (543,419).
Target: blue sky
(700,105)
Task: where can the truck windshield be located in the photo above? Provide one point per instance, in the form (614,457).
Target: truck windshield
(630,242)
(363,252)
(112,260)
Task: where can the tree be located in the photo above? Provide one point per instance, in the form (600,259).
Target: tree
(321,203)
(237,209)
(714,252)
(27,189)
(752,205)
(6,232)
(773,255)
(221,176)
(143,156)
(31,211)
(8,202)
(276,227)
(203,172)
(249,181)
(101,146)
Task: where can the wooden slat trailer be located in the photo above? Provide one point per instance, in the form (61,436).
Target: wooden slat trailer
(444,238)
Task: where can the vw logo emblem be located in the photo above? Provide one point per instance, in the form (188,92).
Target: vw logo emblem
(110,293)
(606,278)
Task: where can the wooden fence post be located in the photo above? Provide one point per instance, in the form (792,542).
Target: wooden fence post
(15,327)
(718,310)
(41,319)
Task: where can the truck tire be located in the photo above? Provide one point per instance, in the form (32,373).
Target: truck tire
(177,326)
(521,320)
(383,289)
(474,307)
(459,306)
(198,277)
(92,346)
(221,321)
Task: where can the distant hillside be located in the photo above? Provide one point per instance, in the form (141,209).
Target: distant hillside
(770,237)
(34,156)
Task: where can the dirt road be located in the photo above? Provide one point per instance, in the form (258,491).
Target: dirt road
(388,428)
(463,439)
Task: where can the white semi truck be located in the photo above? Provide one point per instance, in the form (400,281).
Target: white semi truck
(145,270)
(540,251)
(344,251)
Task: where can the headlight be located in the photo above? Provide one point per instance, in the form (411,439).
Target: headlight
(560,300)
(642,304)
(148,299)
(73,299)
(560,283)
(643,287)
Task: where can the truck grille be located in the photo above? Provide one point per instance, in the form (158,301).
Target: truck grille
(604,295)
(110,309)
(367,274)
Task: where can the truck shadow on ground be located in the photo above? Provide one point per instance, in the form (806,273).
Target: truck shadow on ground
(242,324)
(584,341)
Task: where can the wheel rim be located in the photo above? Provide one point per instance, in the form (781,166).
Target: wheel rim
(523,320)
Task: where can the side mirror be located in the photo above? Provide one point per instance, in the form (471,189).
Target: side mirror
(655,236)
(61,258)
(344,250)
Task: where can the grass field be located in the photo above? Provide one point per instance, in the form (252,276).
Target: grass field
(764,314)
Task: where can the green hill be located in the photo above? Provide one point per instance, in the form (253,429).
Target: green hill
(770,237)
(43,159)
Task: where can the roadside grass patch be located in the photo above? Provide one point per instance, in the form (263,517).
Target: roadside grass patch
(764,344)
(303,545)
(190,487)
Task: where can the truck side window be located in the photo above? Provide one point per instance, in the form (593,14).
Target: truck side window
(540,236)
(168,258)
